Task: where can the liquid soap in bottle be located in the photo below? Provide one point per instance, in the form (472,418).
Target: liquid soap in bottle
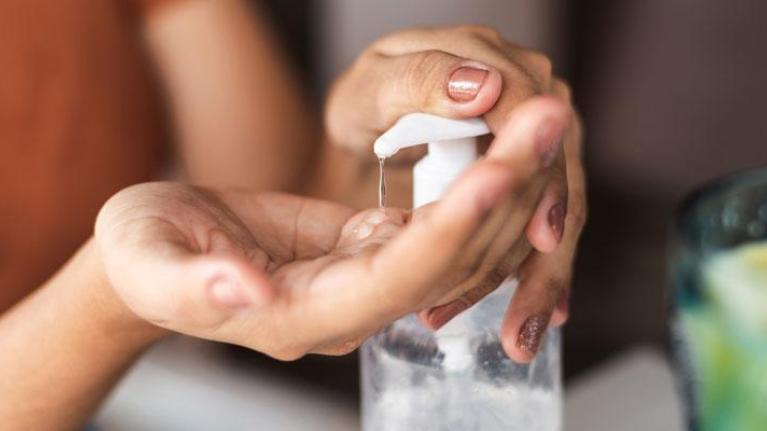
(459,377)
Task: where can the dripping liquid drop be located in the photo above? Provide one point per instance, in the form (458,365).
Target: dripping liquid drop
(381,183)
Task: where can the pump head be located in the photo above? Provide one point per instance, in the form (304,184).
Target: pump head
(419,128)
(452,148)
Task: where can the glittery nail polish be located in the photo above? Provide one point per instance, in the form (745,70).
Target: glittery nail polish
(531,333)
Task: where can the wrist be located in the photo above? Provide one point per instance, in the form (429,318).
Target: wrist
(108,313)
(73,333)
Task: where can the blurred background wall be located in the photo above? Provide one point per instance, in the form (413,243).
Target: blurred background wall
(346,27)
(671,93)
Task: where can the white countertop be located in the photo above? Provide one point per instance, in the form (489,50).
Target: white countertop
(182,384)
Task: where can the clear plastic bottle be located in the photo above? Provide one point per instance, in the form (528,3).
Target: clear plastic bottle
(457,378)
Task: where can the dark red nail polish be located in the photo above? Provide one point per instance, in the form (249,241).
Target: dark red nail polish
(557,219)
(531,333)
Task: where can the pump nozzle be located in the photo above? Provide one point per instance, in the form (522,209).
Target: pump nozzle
(419,128)
(452,148)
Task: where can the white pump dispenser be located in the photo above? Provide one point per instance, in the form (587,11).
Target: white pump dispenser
(452,148)
(456,378)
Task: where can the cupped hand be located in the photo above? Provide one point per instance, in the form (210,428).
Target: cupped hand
(470,71)
(287,275)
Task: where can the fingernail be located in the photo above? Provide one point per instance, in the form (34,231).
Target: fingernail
(548,140)
(465,83)
(531,333)
(441,315)
(228,293)
(557,219)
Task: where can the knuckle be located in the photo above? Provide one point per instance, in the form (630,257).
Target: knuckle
(534,69)
(553,289)
(562,89)
(410,83)
(493,279)
(288,354)
(280,347)
(481,281)
(343,348)
(422,65)
(540,61)
(479,289)
(424,68)
(484,31)
(523,85)
(384,43)
(367,58)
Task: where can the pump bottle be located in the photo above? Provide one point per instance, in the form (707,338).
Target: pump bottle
(457,378)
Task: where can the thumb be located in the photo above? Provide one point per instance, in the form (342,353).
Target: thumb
(380,89)
(166,284)
(439,83)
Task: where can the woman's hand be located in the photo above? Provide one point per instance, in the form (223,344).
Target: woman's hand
(287,275)
(466,72)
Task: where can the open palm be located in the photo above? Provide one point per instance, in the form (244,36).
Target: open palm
(289,275)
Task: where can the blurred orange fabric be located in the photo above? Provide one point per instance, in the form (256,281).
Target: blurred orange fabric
(80,118)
